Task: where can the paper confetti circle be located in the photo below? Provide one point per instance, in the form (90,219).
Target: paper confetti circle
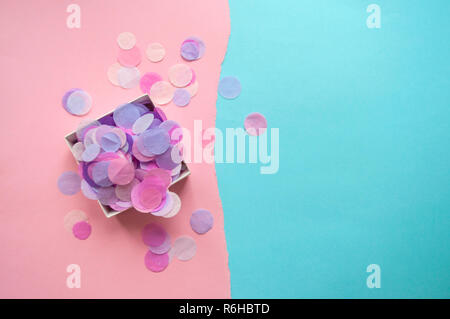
(229,87)
(88,191)
(163,248)
(129,58)
(170,159)
(153,142)
(255,124)
(153,235)
(107,195)
(201,221)
(181,97)
(184,248)
(143,123)
(110,142)
(155,52)
(77,102)
(147,80)
(90,153)
(192,48)
(100,174)
(126,40)
(180,75)
(73,217)
(161,92)
(126,115)
(123,192)
(82,230)
(128,78)
(155,262)
(121,171)
(69,183)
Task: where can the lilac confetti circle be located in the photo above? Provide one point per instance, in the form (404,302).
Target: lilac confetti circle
(110,142)
(190,50)
(181,97)
(107,195)
(201,221)
(153,142)
(125,115)
(90,153)
(229,87)
(77,102)
(170,158)
(69,183)
(100,174)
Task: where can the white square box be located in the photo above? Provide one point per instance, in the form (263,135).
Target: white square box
(71,139)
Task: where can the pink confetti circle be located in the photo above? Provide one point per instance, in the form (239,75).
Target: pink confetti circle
(155,262)
(161,92)
(121,171)
(82,230)
(180,75)
(147,81)
(129,58)
(73,217)
(126,40)
(255,124)
(155,52)
(163,248)
(153,235)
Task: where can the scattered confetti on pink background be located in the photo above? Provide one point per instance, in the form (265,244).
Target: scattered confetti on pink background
(35,259)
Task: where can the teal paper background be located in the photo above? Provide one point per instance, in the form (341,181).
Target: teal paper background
(364,170)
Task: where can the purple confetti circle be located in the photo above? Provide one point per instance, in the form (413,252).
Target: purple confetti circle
(69,183)
(201,221)
(181,97)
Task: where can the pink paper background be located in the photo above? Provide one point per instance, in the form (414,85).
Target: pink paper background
(40,59)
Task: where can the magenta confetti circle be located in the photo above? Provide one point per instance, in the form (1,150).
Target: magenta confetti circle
(153,235)
(82,230)
(155,262)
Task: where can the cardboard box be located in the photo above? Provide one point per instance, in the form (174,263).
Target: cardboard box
(71,139)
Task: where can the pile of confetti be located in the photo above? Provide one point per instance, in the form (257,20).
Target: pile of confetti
(128,159)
